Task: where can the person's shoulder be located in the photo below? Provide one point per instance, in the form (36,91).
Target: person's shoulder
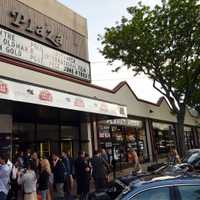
(5,168)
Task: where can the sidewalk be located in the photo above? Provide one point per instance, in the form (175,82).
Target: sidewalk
(119,173)
(127,171)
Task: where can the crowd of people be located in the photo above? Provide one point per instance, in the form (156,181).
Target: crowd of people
(32,178)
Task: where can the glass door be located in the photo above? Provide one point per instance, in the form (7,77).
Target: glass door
(45,149)
(67,146)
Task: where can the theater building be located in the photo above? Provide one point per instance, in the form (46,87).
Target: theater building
(43,67)
(47,100)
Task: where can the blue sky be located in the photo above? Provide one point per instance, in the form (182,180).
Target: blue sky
(101,14)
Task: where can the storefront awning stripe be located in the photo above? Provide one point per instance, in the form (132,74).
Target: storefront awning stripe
(15,91)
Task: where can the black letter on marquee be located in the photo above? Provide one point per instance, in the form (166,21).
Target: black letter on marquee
(29,27)
(39,31)
(58,40)
(18,18)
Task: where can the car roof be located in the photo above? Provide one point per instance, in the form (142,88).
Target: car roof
(141,185)
(193,150)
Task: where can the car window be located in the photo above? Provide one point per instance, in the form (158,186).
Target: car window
(193,158)
(154,194)
(189,192)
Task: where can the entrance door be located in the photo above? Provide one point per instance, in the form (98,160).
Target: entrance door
(45,149)
(67,146)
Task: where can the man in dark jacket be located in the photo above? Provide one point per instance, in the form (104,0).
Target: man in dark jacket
(99,172)
(82,173)
(59,177)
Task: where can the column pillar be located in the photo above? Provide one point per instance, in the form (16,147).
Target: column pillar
(149,139)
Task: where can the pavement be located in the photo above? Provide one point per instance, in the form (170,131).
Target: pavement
(119,173)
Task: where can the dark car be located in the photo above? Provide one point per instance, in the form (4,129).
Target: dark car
(191,162)
(114,188)
(193,158)
(163,188)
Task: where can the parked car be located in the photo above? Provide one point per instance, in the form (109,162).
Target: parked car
(163,173)
(114,188)
(163,188)
(193,158)
(190,162)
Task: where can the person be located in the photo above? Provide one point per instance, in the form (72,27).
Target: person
(173,157)
(104,155)
(106,160)
(82,173)
(4,177)
(20,159)
(72,171)
(14,179)
(36,162)
(99,171)
(135,160)
(27,158)
(10,165)
(43,181)
(28,181)
(58,176)
(66,163)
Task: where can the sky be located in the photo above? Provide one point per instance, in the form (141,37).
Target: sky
(101,14)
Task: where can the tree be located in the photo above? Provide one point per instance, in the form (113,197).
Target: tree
(164,43)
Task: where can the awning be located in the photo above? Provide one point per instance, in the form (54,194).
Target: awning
(18,91)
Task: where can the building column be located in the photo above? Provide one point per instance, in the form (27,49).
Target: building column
(149,140)
(94,126)
(86,138)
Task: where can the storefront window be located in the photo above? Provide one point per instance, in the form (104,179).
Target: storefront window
(45,138)
(164,138)
(5,146)
(119,136)
(189,137)
(23,136)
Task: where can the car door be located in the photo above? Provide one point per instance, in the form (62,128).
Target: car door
(188,192)
(160,193)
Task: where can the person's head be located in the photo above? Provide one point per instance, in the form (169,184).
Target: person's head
(55,156)
(3,159)
(34,156)
(17,163)
(69,154)
(30,165)
(173,151)
(103,151)
(96,153)
(82,154)
(28,152)
(45,165)
(21,153)
(63,154)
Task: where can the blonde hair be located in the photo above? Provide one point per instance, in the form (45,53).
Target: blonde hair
(45,166)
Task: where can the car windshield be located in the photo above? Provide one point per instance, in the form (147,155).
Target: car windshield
(192,158)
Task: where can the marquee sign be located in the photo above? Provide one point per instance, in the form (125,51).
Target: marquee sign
(21,92)
(19,17)
(27,50)
(42,31)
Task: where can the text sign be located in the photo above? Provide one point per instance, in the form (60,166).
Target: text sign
(21,92)
(22,48)
(19,19)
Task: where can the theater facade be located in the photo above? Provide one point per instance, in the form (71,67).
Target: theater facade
(47,100)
